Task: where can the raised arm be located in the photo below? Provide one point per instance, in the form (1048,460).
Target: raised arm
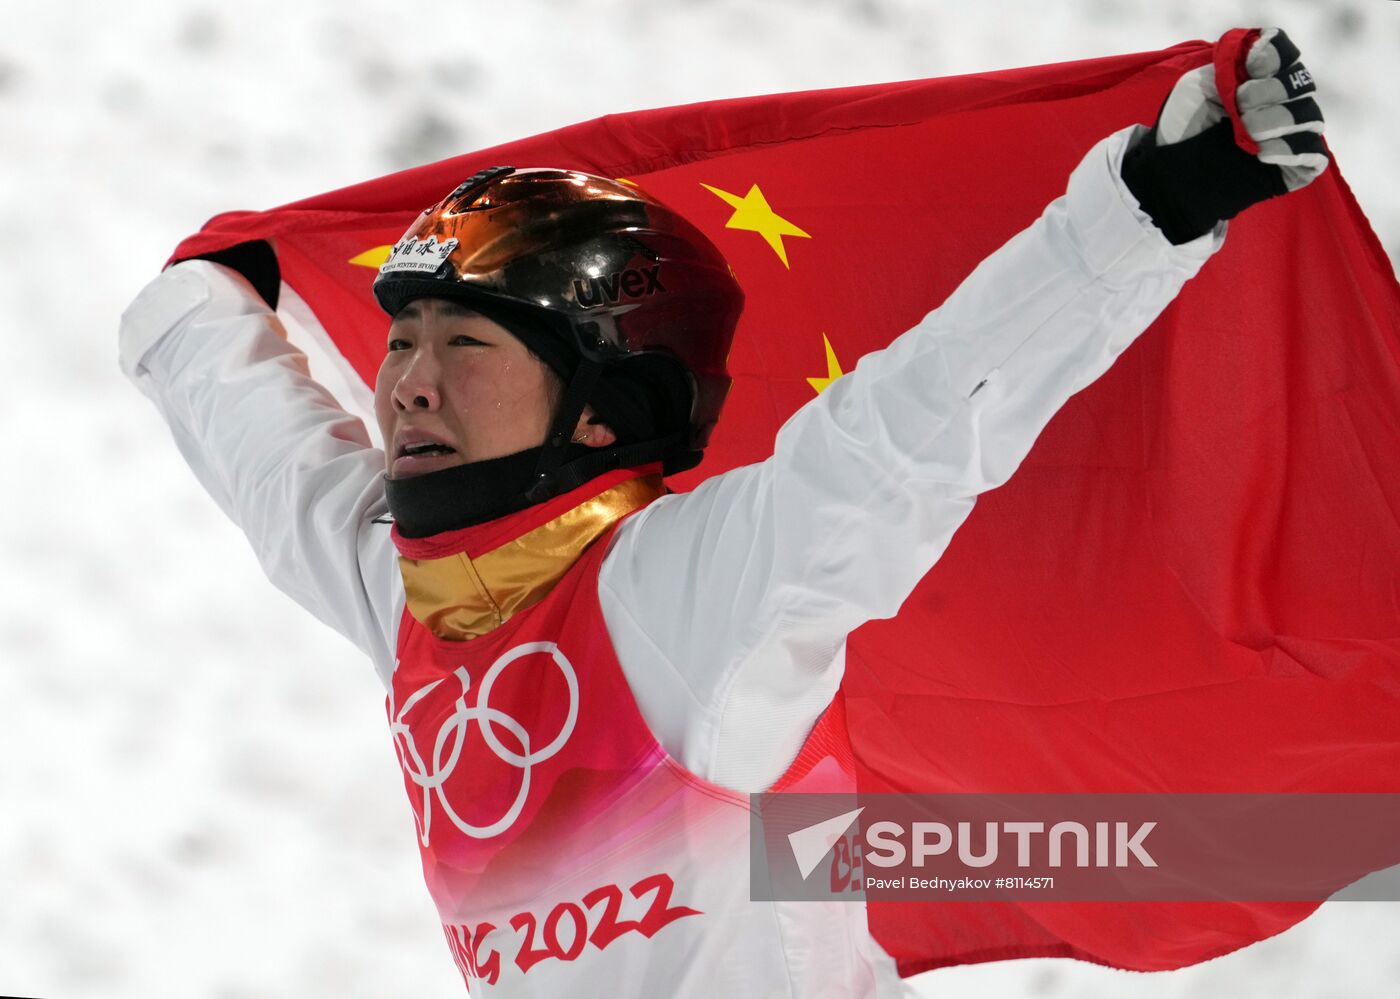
(295,471)
(730,605)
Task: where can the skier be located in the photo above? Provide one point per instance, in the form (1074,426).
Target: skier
(587,675)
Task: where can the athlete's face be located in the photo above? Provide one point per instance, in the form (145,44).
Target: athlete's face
(454,379)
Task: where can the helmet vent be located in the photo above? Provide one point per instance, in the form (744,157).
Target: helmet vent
(479,179)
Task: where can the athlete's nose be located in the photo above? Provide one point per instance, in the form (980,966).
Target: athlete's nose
(417,387)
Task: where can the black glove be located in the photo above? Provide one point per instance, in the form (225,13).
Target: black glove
(1188,174)
(256,261)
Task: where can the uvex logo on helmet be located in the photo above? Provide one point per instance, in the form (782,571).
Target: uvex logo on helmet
(634,282)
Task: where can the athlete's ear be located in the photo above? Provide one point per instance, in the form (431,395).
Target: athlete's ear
(591,431)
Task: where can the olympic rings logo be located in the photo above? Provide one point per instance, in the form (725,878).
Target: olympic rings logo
(447,747)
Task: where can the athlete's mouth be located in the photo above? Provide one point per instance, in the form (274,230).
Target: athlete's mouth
(417,452)
(412,442)
(431,447)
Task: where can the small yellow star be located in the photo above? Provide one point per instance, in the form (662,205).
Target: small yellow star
(753,213)
(833,369)
(372,258)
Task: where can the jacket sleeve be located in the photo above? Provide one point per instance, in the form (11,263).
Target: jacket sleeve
(292,469)
(729,606)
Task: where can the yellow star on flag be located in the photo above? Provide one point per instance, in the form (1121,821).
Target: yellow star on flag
(372,258)
(833,369)
(753,213)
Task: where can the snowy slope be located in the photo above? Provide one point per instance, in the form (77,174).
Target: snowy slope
(198,797)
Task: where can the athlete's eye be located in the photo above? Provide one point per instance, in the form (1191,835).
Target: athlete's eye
(398,344)
(466,341)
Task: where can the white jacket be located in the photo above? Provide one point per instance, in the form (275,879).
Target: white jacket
(728,606)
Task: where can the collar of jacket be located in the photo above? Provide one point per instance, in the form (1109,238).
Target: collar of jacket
(465,583)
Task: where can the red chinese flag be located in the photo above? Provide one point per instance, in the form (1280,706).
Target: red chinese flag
(1190,584)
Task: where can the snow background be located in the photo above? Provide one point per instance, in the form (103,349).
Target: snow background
(198,796)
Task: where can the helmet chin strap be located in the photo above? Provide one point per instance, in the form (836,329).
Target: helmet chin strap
(560,467)
(561,432)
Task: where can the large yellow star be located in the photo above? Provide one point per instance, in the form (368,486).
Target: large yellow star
(833,369)
(372,258)
(753,213)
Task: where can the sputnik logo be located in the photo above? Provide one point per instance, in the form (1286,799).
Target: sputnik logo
(447,745)
(811,844)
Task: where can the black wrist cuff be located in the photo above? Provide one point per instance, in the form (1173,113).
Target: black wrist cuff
(257,262)
(1188,187)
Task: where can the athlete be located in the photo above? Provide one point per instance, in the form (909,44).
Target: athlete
(587,675)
